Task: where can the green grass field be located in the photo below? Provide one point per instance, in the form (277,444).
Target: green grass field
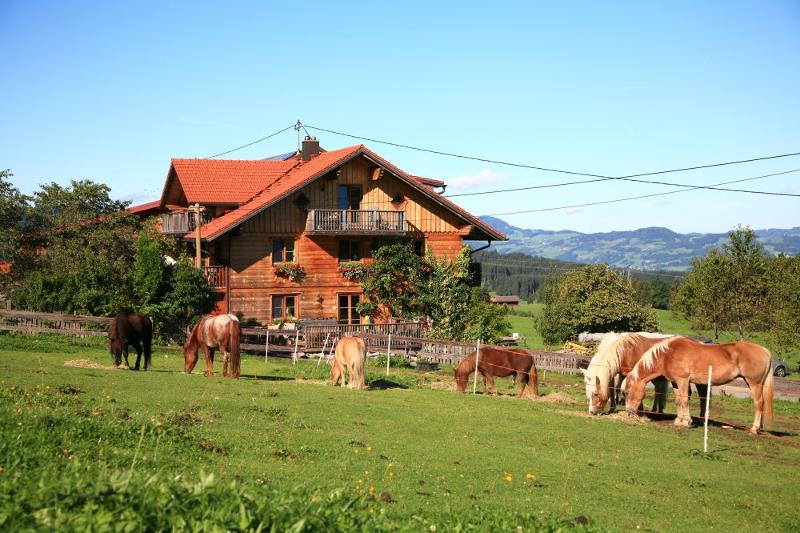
(87,446)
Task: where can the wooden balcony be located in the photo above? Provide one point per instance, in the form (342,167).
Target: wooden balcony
(180,222)
(347,221)
(217,276)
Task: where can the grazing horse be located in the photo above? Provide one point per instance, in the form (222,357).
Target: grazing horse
(683,361)
(616,356)
(350,354)
(214,331)
(130,329)
(500,362)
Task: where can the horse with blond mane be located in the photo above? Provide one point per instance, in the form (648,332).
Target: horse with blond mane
(683,361)
(211,332)
(500,362)
(616,356)
(350,355)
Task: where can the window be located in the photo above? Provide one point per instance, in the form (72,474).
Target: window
(419,247)
(349,250)
(284,306)
(349,197)
(347,309)
(282,251)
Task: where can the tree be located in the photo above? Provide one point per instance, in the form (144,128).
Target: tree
(782,303)
(395,281)
(727,287)
(702,296)
(594,299)
(14,207)
(149,275)
(746,277)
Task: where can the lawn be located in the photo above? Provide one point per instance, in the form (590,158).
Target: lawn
(80,445)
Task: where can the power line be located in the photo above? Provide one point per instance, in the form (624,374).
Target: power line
(556,170)
(251,143)
(616,200)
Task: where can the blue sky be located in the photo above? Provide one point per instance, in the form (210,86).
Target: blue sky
(111,91)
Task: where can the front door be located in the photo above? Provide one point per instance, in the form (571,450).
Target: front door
(347,309)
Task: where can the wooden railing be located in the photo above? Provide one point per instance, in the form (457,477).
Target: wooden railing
(217,276)
(355,222)
(180,222)
(34,322)
(315,335)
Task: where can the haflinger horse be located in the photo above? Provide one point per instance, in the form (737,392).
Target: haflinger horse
(499,362)
(683,361)
(350,355)
(615,358)
(130,329)
(211,332)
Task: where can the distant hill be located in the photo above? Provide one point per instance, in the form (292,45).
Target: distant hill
(644,249)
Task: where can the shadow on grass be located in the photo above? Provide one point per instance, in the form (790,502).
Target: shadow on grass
(383,384)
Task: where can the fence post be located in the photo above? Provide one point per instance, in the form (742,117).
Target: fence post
(266,346)
(708,405)
(296,342)
(388,353)
(322,354)
(477,357)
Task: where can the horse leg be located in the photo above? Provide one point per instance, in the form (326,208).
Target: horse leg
(224,362)
(138,348)
(523,381)
(682,404)
(489,385)
(209,355)
(125,354)
(756,389)
(702,394)
(335,371)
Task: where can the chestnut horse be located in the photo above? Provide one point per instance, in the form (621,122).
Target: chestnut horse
(500,362)
(214,331)
(616,356)
(130,329)
(683,361)
(350,354)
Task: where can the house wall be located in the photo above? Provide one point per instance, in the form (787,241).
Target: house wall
(252,280)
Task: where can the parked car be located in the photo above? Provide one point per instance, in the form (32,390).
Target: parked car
(779,368)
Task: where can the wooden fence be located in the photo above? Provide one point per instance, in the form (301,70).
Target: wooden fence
(406,338)
(33,322)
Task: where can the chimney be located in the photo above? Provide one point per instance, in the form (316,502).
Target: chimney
(310,148)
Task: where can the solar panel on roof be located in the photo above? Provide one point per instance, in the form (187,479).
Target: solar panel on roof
(281,157)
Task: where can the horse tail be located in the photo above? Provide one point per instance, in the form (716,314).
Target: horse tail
(533,378)
(767,393)
(357,379)
(235,348)
(147,341)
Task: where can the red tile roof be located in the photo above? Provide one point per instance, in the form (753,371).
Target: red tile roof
(153,206)
(256,185)
(227,181)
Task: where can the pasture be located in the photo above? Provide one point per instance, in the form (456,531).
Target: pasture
(157,449)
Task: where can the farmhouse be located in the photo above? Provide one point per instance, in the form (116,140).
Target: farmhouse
(277,235)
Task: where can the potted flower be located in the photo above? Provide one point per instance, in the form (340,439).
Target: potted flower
(290,271)
(354,270)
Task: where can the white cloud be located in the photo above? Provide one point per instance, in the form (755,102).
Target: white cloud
(471,181)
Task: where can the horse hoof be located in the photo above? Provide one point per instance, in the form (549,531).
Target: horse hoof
(753,432)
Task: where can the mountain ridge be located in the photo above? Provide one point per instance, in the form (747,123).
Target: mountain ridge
(649,248)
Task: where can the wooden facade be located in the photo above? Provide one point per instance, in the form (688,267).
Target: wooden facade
(381,209)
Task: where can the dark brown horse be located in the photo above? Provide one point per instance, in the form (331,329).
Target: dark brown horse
(499,362)
(130,329)
(211,332)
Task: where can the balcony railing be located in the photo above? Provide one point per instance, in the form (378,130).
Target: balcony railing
(217,276)
(180,222)
(367,222)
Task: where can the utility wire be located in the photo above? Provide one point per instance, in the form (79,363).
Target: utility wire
(649,195)
(560,171)
(251,143)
